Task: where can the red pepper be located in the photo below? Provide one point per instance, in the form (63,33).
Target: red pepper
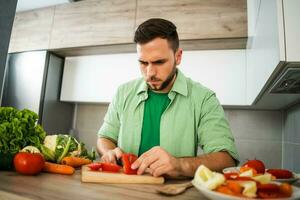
(280,173)
(127,160)
(110,167)
(105,167)
(231,175)
(95,166)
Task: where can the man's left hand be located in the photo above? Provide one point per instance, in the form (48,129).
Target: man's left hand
(157,162)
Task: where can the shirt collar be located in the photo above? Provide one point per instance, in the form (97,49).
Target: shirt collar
(179,86)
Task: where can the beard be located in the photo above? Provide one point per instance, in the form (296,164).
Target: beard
(166,82)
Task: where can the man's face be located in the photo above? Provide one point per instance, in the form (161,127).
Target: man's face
(158,64)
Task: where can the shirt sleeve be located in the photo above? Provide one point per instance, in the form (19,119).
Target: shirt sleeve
(111,123)
(214,133)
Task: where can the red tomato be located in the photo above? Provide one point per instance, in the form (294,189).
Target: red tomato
(280,173)
(258,165)
(95,166)
(110,167)
(127,160)
(29,163)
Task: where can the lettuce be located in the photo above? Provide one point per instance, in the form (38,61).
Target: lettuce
(19,129)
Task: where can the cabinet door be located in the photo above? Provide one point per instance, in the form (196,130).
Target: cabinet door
(96,78)
(31,30)
(264,53)
(292,29)
(222,71)
(197,19)
(94,22)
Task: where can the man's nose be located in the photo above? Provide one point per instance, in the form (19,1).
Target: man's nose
(151,71)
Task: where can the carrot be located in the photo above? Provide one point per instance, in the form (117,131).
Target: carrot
(58,168)
(75,161)
(234,186)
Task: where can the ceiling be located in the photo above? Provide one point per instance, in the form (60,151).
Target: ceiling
(24,5)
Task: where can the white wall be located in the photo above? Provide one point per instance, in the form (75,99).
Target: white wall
(96,78)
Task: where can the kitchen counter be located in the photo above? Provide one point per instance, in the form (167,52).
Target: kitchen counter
(14,186)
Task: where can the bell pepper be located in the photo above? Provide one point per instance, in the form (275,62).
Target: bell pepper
(105,167)
(127,160)
(110,167)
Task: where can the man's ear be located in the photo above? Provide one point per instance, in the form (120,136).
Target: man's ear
(178,56)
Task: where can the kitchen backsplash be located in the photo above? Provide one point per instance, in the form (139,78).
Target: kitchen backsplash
(291,138)
(258,134)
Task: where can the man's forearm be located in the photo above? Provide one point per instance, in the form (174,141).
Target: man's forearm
(214,161)
(104,145)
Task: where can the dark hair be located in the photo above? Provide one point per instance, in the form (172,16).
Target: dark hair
(157,27)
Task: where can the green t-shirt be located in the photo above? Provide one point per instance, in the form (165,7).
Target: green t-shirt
(155,105)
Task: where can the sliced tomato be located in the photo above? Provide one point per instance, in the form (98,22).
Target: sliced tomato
(269,187)
(127,160)
(268,195)
(280,173)
(110,167)
(95,166)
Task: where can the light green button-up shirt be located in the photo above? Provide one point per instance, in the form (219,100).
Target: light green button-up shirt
(193,118)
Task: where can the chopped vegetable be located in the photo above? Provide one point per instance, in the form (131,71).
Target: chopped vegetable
(281,173)
(58,168)
(110,167)
(127,160)
(105,167)
(208,179)
(75,161)
(95,166)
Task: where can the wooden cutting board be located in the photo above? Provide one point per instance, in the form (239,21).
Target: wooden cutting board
(105,177)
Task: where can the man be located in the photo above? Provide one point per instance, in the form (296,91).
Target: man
(165,116)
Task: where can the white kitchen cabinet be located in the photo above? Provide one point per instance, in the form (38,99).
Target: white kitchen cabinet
(272,48)
(291,10)
(263,54)
(223,71)
(95,79)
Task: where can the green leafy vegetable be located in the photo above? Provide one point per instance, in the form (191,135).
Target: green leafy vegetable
(19,129)
(56,147)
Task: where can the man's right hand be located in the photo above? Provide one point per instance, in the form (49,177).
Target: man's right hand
(112,156)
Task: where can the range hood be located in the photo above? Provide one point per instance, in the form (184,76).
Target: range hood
(288,81)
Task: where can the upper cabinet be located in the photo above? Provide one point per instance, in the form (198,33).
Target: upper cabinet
(273,59)
(96,78)
(107,26)
(292,29)
(31,30)
(196,19)
(90,23)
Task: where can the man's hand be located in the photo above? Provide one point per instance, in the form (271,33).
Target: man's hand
(157,161)
(112,156)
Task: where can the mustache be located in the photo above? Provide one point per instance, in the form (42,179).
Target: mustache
(152,78)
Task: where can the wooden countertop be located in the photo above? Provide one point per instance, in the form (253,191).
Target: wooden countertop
(14,186)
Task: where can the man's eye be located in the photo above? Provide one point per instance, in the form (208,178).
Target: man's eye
(143,63)
(159,62)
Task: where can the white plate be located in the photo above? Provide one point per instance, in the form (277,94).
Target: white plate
(287,180)
(219,196)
